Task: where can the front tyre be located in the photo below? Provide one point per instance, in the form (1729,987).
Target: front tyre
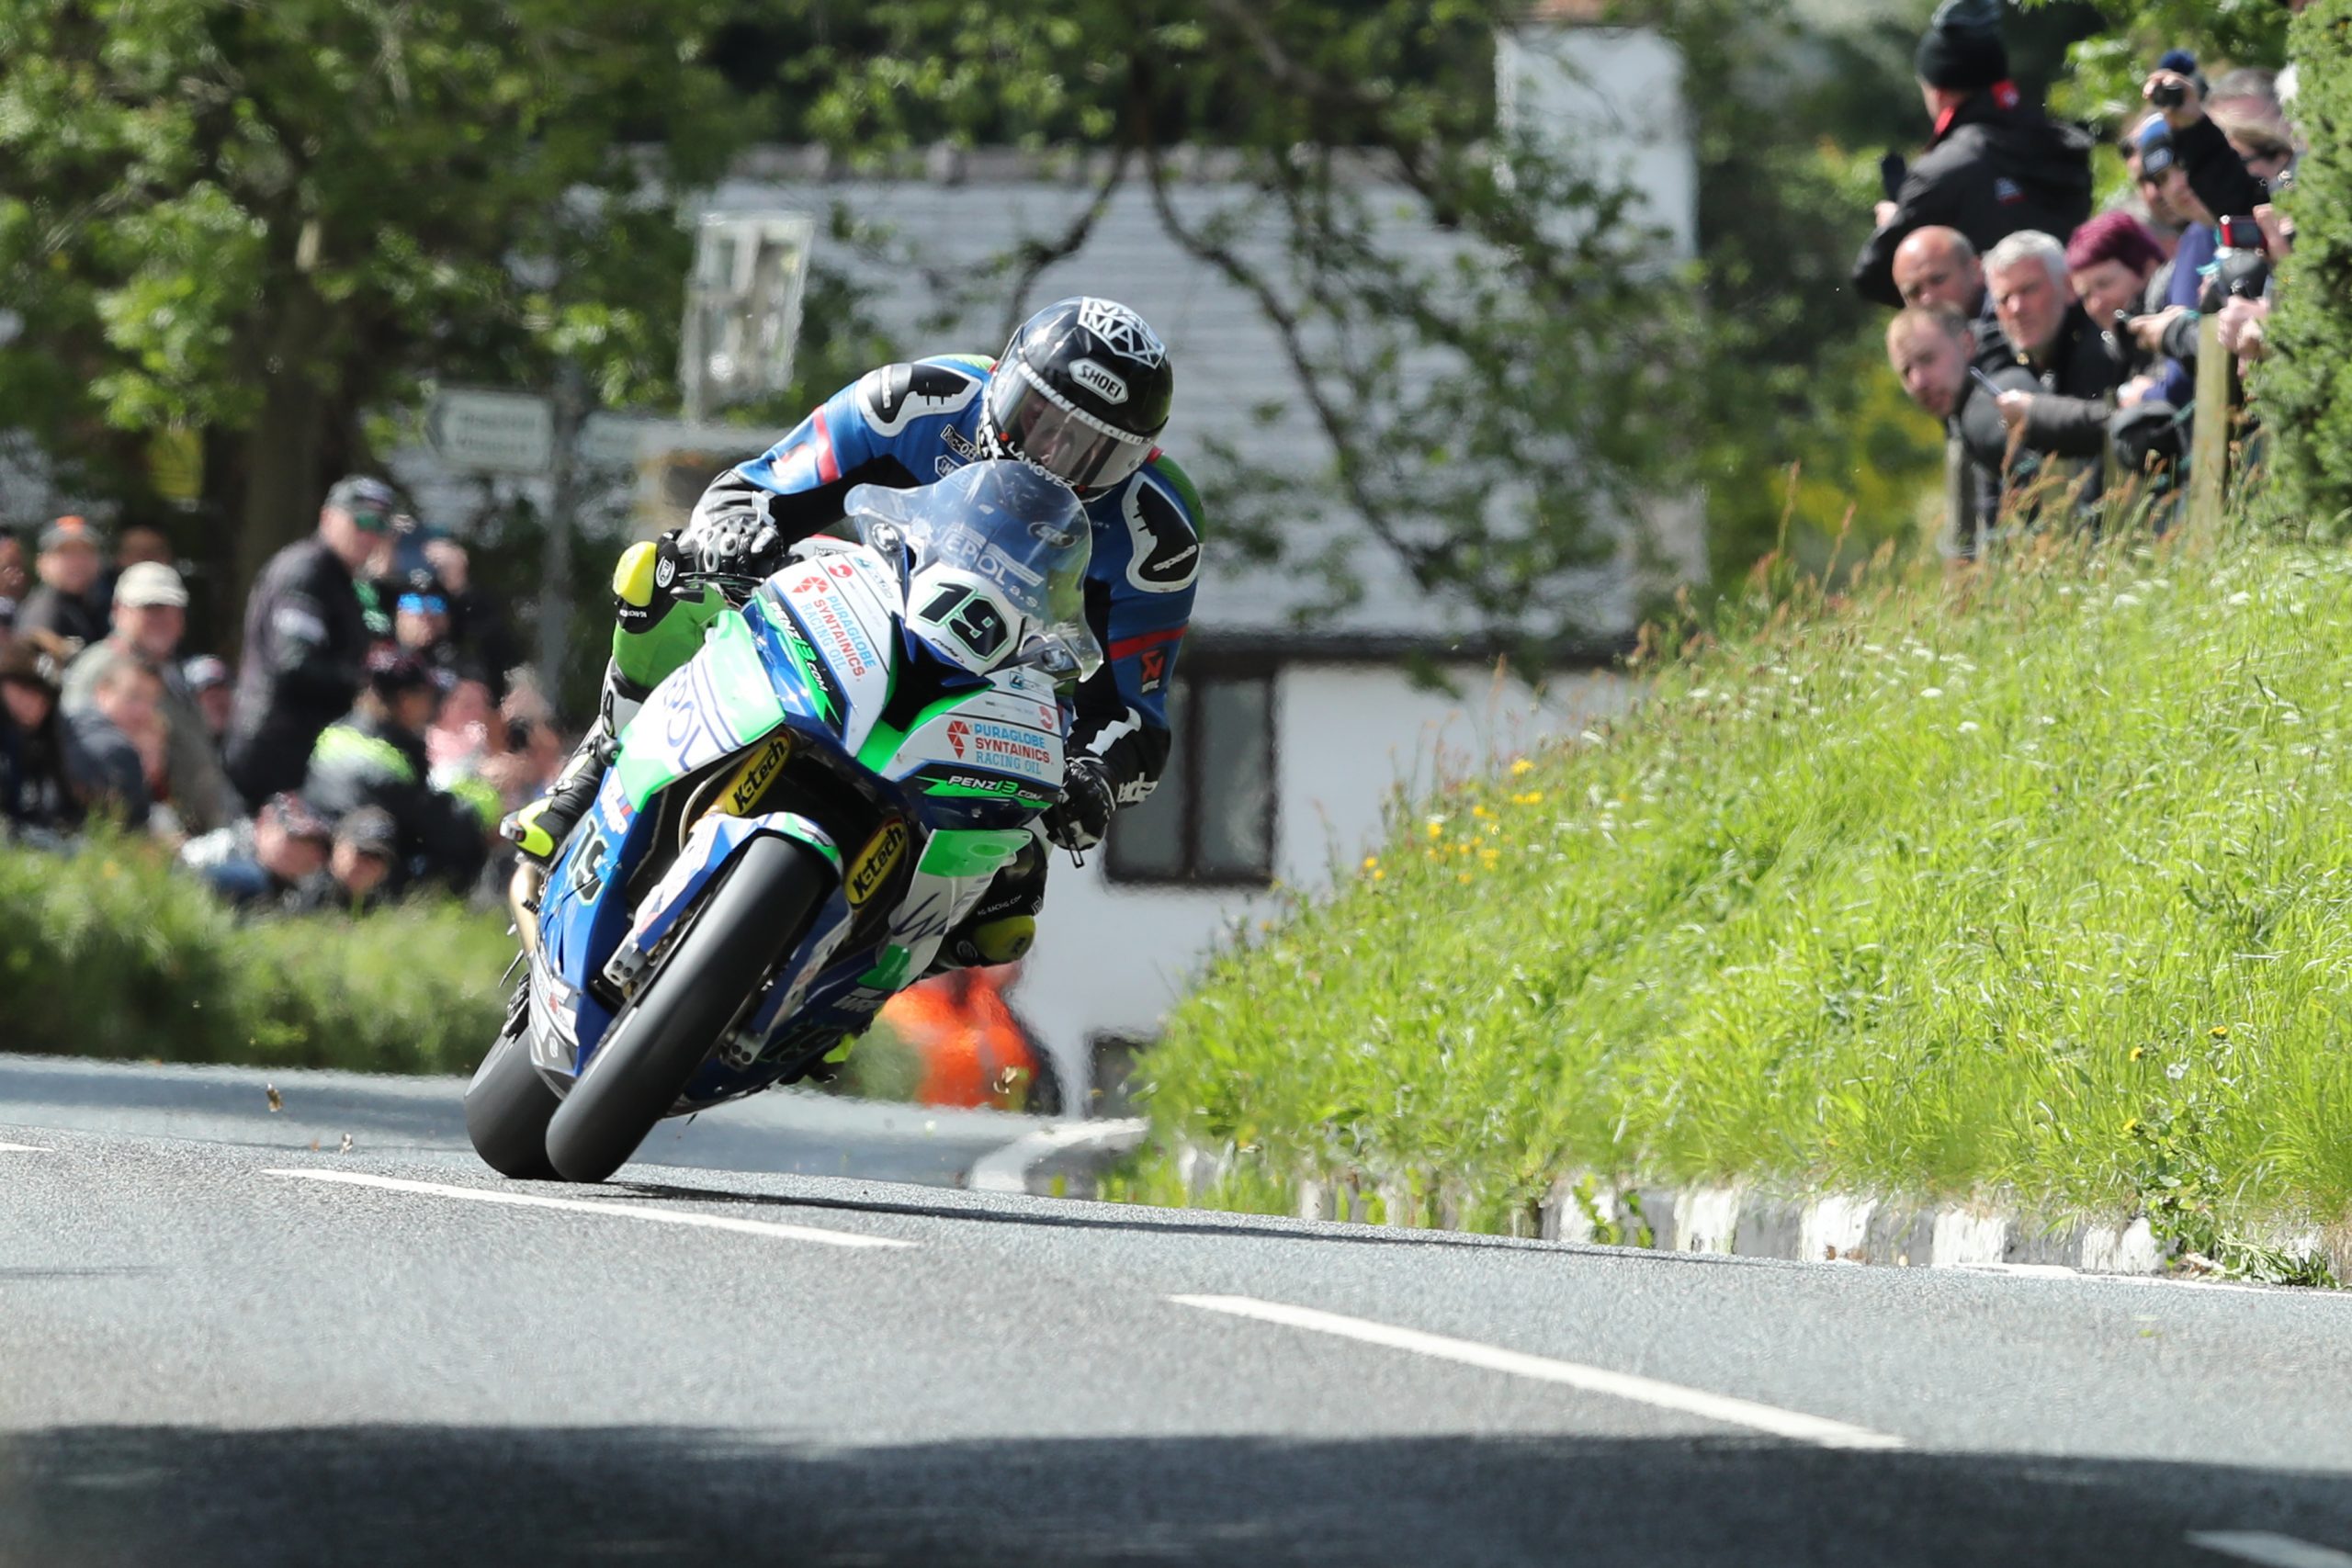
(763,904)
(508,1106)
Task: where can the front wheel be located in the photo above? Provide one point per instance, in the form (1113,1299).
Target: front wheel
(762,905)
(508,1107)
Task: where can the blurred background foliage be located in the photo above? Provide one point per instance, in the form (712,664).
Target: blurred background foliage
(266,223)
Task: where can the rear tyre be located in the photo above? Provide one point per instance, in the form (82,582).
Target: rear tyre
(744,928)
(507,1109)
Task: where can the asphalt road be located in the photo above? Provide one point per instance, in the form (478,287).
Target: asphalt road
(220,1345)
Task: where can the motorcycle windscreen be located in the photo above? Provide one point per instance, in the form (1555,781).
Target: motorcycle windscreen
(1011,523)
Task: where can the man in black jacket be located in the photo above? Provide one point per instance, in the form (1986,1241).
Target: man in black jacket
(70,601)
(2218,173)
(2045,330)
(375,756)
(1931,347)
(306,640)
(1993,166)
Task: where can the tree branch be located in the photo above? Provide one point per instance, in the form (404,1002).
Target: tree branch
(1418,559)
(1037,256)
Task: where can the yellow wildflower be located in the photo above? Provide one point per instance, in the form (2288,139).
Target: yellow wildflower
(1521,768)
(2138,1051)
(1371,862)
(2218,1031)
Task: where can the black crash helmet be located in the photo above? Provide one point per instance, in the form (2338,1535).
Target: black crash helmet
(1082,391)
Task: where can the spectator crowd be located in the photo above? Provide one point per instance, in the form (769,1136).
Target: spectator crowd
(2059,346)
(372,733)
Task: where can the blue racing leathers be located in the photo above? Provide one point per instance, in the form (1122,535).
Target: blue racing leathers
(905,425)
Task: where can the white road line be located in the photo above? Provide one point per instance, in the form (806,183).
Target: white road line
(580,1206)
(2273,1551)
(1006,1170)
(20,1149)
(1790,1424)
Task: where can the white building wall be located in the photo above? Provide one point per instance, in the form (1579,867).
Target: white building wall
(1111,958)
(1612,96)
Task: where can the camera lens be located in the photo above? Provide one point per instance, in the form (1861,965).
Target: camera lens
(2167,95)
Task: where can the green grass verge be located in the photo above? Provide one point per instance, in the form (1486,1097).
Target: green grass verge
(2039,889)
(112,953)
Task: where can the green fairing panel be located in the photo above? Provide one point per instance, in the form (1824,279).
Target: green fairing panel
(881,747)
(747,709)
(970,852)
(803,656)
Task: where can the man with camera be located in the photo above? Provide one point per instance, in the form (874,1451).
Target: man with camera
(1994,166)
(1932,349)
(2075,366)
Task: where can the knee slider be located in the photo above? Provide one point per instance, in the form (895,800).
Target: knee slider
(1005,941)
(633,583)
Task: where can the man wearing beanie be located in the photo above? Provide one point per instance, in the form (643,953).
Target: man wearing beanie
(1992,167)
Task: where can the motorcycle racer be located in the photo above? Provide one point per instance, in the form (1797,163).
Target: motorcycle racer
(1082,390)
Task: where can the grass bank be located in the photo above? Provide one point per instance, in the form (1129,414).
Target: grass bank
(110,952)
(2041,888)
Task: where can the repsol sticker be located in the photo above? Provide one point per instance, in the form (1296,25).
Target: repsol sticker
(875,862)
(754,777)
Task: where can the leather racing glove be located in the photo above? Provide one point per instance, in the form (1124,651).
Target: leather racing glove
(1083,816)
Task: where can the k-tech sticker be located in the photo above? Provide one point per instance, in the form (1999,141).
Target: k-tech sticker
(754,778)
(1167,554)
(875,862)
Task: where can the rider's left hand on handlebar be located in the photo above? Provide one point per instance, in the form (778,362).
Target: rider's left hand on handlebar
(1084,814)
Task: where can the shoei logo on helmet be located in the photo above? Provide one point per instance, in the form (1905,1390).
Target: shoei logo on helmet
(875,862)
(1121,331)
(1098,380)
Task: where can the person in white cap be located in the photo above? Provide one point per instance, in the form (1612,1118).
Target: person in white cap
(149,616)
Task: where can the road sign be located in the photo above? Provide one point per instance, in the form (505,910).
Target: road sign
(743,306)
(492,433)
(610,440)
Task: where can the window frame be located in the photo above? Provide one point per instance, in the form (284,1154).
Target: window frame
(1195,671)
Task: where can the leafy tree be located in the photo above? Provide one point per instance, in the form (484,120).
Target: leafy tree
(1550,353)
(262,222)
(2304,392)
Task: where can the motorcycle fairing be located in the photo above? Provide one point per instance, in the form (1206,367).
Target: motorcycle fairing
(968,774)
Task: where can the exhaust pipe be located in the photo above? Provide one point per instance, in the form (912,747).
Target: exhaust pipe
(523,901)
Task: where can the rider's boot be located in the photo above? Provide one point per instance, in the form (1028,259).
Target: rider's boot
(1002,926)
(538,829)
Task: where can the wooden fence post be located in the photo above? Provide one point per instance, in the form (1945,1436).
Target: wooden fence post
(2209,457)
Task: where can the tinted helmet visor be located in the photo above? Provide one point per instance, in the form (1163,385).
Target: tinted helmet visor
(1048,430)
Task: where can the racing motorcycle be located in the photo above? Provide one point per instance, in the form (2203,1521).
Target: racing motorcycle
(794,818)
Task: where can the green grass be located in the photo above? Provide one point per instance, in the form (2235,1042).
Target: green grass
(112,953)
(2039,889)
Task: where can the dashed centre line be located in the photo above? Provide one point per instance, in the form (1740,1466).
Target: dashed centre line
(1790,1424)
(588,1206)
